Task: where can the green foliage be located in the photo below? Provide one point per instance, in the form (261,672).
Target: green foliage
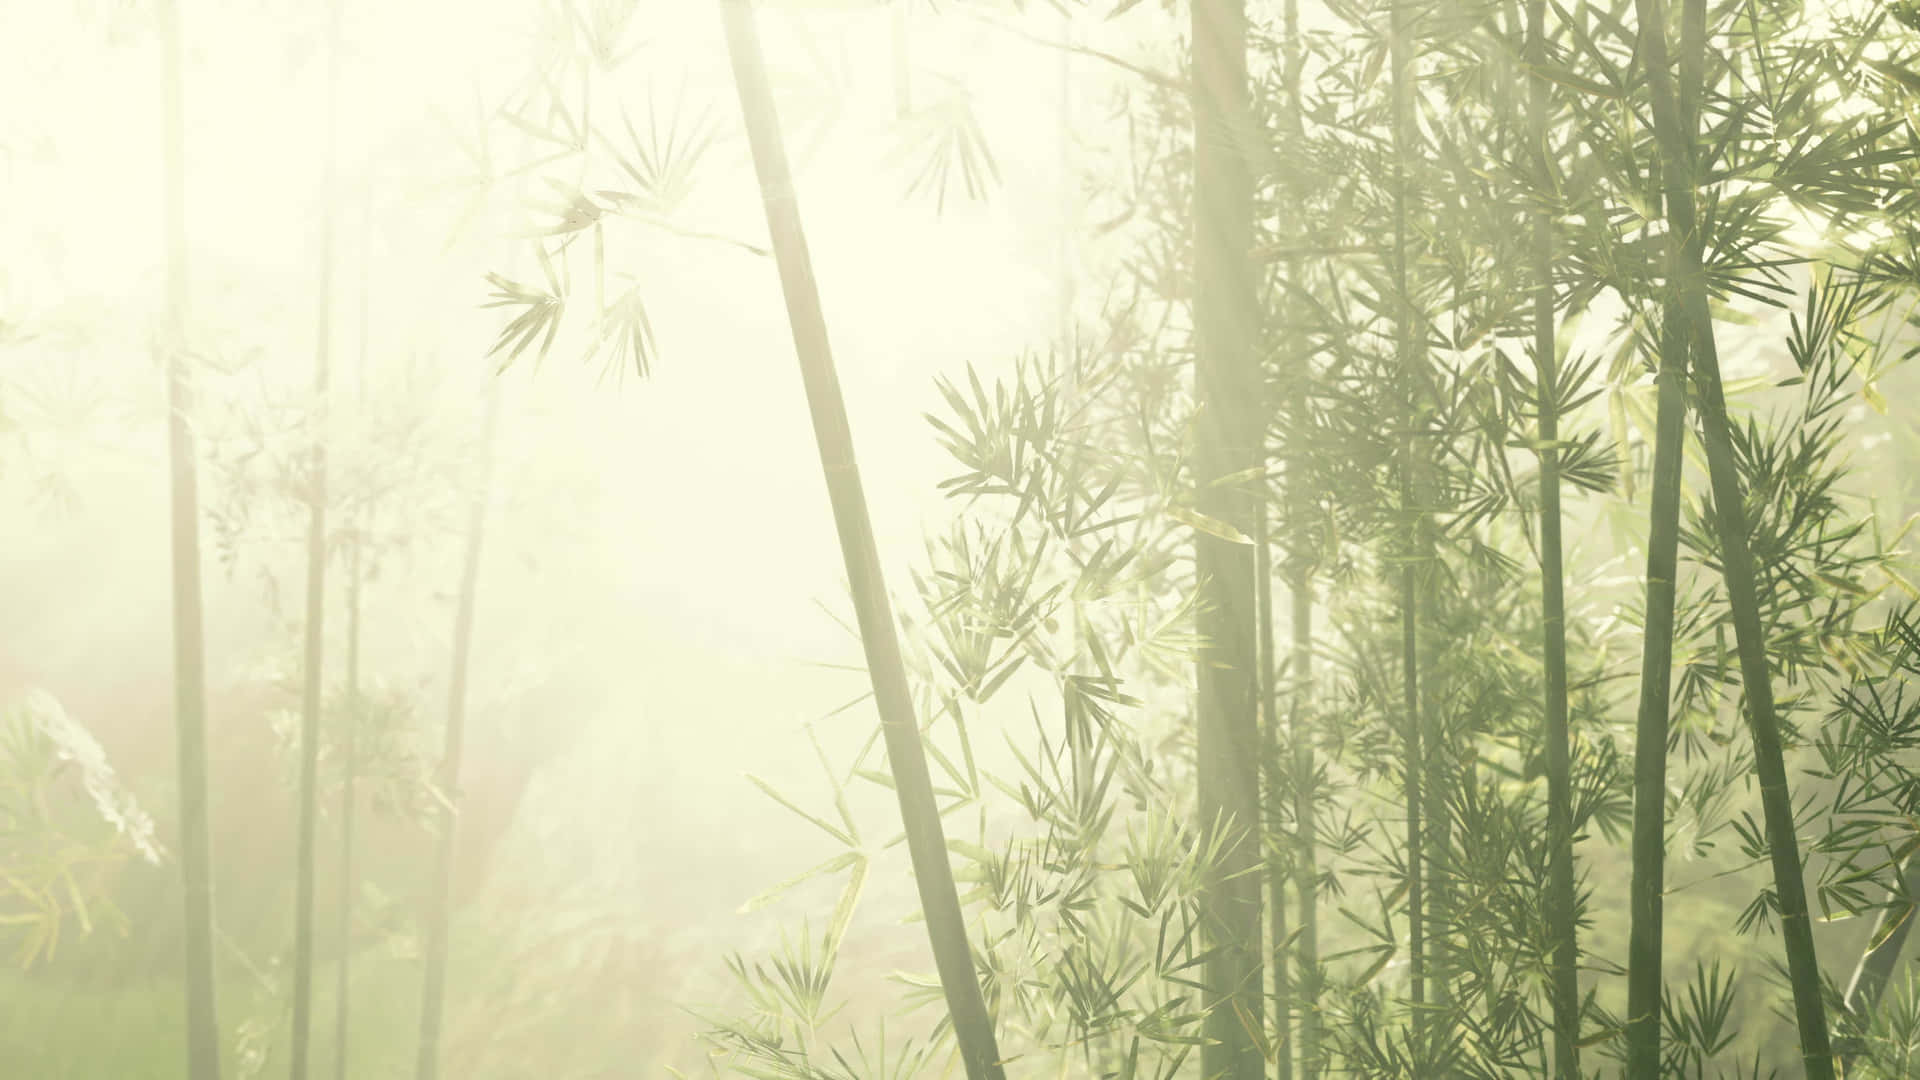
(66,825)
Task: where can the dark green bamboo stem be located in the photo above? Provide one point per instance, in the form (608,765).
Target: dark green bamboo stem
(1736,560)
(1645,948)
(189,650)
(310,696)
(1565,986)
(1646,903)
(1228,441)
(1675,121)
(926,841)
(438,916)
(1730,521)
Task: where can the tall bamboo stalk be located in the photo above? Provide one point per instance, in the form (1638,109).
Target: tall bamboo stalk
(1406,350)
(189,650)
(438,916)
(349,737)
(926,839)
(1736,558)
(1228,443)
(310,697)
(1645,939)
(1564,963)
(1300,564)
(1277,863)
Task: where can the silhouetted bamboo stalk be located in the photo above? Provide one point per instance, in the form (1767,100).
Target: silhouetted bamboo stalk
(438,915)
(1564,962)
(926,840)
(189,651)
(1736,564)
(1645,939)
(311,689)
(1228,443)
(1675,123)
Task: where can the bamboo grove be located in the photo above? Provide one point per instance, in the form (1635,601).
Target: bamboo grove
(1427,610)
(1420,336)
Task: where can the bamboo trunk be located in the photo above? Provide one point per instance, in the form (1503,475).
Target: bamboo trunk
(189,651)
(1305,989)
(312,686)
(438,917)
(1278,872)
(1675,123)
(1406,348)
(926,840)
(1564,962)
(350,749)
(1228,438)
(1645,948)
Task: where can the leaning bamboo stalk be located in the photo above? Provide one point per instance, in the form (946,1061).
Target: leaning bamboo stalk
(926,840)
(1675,121)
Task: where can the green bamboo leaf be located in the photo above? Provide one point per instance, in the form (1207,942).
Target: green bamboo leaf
(1213,527)
(762,899)
(775,795)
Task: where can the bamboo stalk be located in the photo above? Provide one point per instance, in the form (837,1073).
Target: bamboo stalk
(1406,348)
(350,750)
(1278,872)
(438,916)
(1675,121)
(312,685)
(1228,441)
(189,648)
(1300,496)
(1565,976)
(926,841)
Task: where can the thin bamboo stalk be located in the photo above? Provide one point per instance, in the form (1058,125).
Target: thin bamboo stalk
(438,916)
(189,649)
(349,738)
(1565,975)
(926,840)
(313,681)
(1676,118)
